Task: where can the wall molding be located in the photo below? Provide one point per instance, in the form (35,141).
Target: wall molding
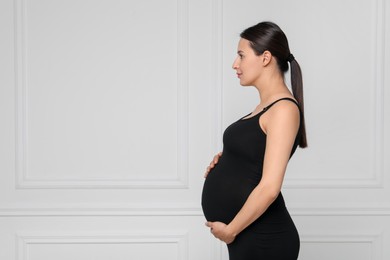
(375,240)
(25,181)
(216,92)
(25,240)
(177,211)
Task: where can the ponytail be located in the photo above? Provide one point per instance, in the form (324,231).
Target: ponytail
(297,89)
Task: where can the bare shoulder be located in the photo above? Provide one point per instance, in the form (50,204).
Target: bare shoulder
(283,114)
(284,108)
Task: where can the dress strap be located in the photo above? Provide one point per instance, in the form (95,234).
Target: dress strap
(285,98)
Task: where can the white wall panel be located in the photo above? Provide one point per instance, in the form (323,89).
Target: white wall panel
(145,247)
(341,247)
(181,106)
(105,237)
(93,86)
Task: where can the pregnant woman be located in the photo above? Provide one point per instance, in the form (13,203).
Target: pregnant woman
(241,198)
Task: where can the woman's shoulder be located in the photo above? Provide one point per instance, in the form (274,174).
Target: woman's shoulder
(283,104)
(282,114)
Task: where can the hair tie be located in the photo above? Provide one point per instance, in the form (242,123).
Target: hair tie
(290,58)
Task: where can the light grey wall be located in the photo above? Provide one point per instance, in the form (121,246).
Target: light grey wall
(111,110)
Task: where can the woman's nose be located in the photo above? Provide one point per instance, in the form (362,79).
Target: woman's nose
(235,64)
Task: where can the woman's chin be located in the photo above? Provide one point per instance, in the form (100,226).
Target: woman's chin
(245,84)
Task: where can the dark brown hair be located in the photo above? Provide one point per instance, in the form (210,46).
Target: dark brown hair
(267,36)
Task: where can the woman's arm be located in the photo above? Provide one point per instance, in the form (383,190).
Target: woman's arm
(281,127)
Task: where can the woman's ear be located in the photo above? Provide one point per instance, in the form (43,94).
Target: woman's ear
(267,57)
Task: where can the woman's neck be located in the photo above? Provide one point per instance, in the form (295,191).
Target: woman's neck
(272,89)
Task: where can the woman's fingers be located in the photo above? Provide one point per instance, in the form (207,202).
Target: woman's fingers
(216,157)
(207,171)
(212,163)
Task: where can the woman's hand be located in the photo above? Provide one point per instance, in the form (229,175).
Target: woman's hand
(213,163)
(221,231)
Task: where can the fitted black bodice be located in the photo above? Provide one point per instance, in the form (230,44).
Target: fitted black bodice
(239,171)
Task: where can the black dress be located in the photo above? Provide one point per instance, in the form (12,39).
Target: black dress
(273,235)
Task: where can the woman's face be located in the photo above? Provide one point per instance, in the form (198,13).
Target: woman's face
(247,64)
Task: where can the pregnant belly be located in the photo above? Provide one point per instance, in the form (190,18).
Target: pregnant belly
(225,191)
